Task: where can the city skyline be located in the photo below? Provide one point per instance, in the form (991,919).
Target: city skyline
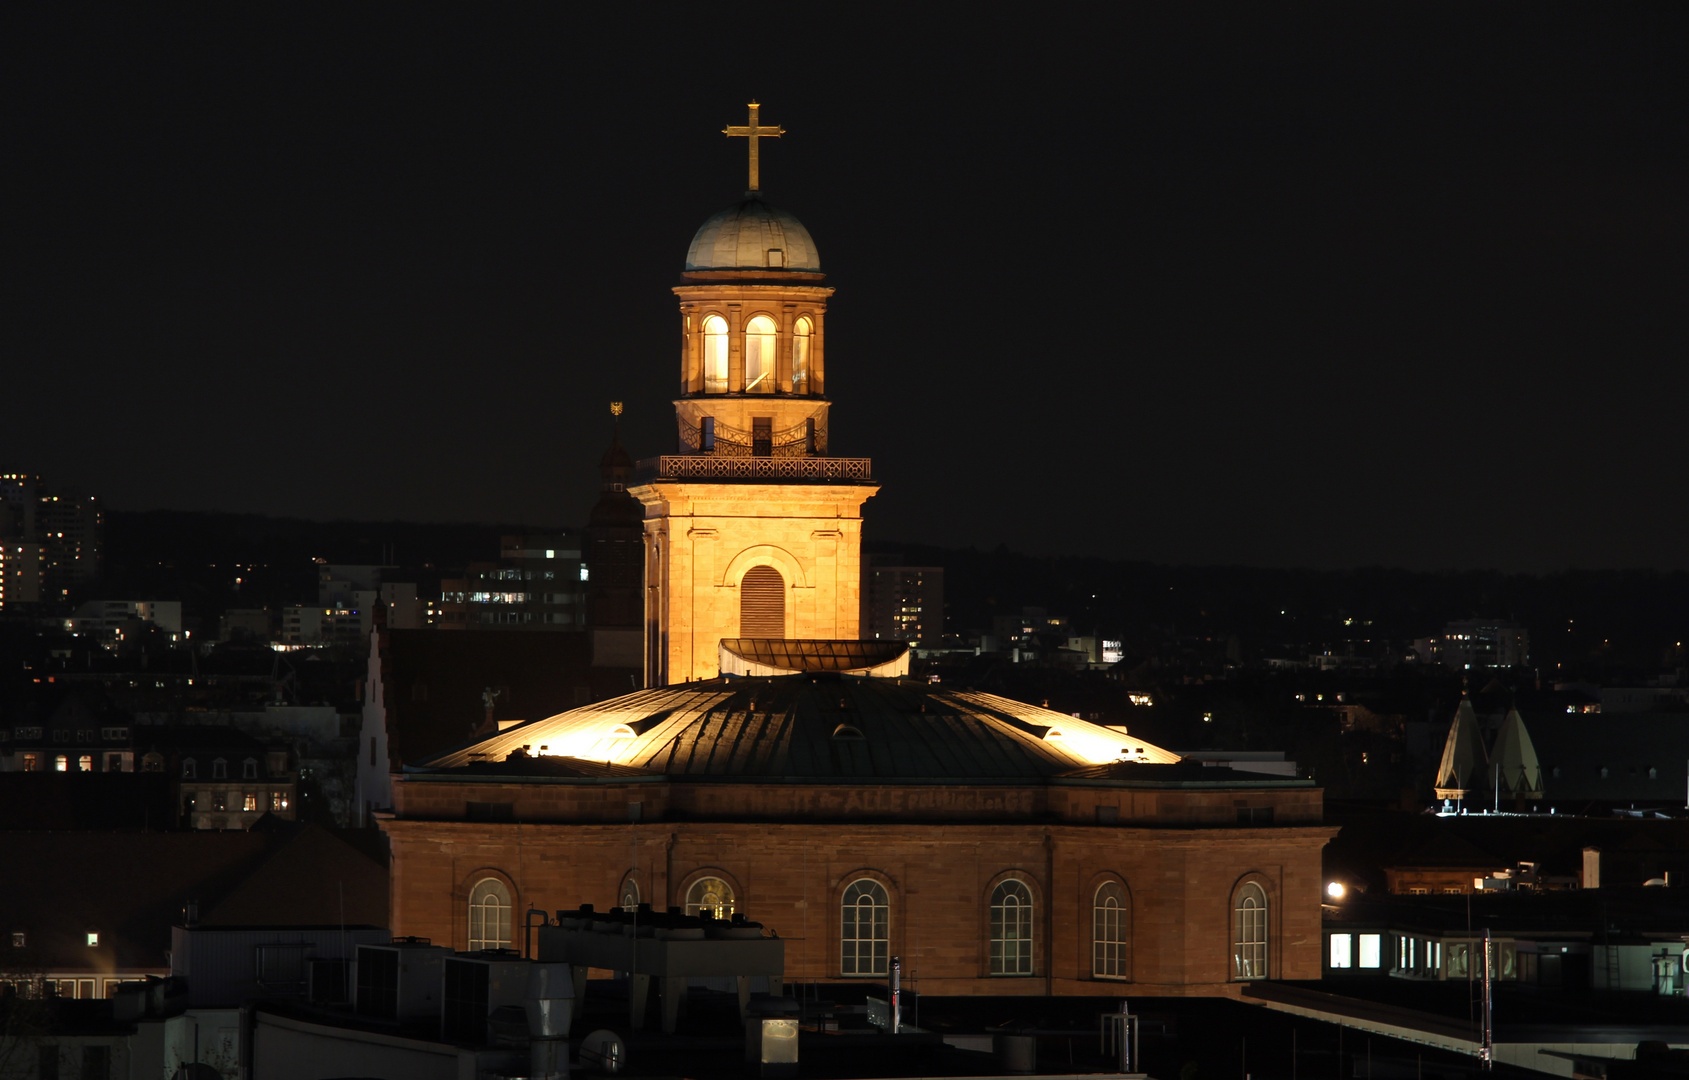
(1386,288)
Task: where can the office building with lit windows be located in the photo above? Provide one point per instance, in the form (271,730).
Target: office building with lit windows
(50,541)
(902,603)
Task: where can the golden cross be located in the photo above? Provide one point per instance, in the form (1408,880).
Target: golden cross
(752,132)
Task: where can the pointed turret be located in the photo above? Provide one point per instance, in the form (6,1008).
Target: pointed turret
(1516,759)
(1461,773)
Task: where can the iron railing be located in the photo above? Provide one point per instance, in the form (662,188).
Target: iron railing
(734,467)
(794,441)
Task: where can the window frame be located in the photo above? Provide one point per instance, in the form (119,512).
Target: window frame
(803,347)
(489,894)
(694,898)
(1251,930)
(1022,960)
(1120,943)
(767,353)
(714,349)
(878,938)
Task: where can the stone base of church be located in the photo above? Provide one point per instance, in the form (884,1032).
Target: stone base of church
(1180,887)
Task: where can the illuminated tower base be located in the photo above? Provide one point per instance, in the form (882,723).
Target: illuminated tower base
(765,556)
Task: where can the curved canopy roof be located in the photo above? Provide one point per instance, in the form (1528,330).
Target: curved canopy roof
(814,729)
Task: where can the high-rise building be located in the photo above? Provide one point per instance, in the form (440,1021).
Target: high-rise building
(49,542)
(902,603)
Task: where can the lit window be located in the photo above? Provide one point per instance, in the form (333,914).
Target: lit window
(489,915)
(715,355)
(1370,951)
(1011,929)
(802,334)
(32,763)
(865,929)
(249,801)
(61,764)
(93,937)
(19,939)
(710,896)
(85,763)
(1108,931)
(1341,945)
(760,337)
(1249,933)
(278,800)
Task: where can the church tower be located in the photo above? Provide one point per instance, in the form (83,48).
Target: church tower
(751,529)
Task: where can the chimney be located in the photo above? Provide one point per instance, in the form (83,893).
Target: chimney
(1591,868)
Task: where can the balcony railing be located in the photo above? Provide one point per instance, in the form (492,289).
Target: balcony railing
(711,467)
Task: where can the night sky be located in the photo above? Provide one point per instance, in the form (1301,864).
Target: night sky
(1322,285)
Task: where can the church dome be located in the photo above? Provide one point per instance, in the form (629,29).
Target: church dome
(810,728)
(752,235)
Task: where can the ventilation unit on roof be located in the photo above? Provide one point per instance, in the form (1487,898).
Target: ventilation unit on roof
(475,986)
(400,981)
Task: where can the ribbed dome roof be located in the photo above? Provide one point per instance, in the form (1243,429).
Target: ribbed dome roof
(801,728)
(741,237)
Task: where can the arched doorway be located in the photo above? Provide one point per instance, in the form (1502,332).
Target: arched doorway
(762,603)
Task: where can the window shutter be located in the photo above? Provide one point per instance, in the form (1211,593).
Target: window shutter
(762,603)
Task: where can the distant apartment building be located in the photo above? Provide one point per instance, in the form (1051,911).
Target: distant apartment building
(538,583)
(902,603)
(1477,643)
(76,738)
(345,607)
(49,542)
(111,622)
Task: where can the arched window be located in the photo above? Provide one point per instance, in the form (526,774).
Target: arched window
(1011,929)
(715,355)
(802,334)
(760,336)
(710,896)
(865,929)
(762,603)
(629,900)
(1249,933)
(1108,931)
(489,915)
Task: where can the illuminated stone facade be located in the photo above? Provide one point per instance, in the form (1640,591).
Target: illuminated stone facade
(785,795)
(753,485)
(995,846)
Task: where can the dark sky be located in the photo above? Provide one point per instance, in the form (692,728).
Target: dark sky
(1323,285)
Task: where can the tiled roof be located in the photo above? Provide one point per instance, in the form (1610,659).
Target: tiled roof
(131,888)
